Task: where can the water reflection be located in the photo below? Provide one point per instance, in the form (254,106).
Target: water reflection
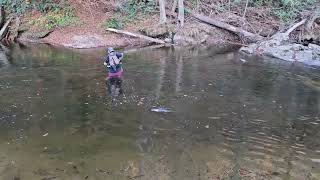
(231,120)
(4,57)
(114,86)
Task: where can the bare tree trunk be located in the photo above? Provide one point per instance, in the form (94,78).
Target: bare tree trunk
(245,10)
(2,16)
(162,6)
(181,13)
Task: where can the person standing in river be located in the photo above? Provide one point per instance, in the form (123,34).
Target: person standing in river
(113,62)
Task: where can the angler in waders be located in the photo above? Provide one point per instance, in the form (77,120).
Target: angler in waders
(113,62)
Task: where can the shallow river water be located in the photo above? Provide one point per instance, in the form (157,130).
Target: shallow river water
(229,119)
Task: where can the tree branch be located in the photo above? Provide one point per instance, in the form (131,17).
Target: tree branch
(136,35)
(239,31)
(245,9)
(295,27)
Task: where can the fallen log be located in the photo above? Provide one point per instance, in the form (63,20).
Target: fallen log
(137,35)
(238,31)
(4,29)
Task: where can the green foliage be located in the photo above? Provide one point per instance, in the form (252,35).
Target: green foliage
(289,9)
(45,6)
(286,10)
(51,20)
(16,6)
(54,13)
(295,4)
(285,16)
(114,23)
(128,12)
(132,8)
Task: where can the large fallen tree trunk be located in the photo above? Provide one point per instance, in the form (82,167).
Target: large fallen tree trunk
(250,37)
(136,35)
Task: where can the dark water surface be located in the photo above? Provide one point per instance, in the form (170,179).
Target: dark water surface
(257,119)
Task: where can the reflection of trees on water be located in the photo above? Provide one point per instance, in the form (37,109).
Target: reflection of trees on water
(161,75)
(4,56)
(179,78)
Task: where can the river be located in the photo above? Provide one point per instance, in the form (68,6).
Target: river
(231,117)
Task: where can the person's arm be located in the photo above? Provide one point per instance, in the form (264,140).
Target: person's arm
(106,61)
(120,56)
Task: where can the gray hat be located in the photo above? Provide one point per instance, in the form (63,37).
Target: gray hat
(110,50)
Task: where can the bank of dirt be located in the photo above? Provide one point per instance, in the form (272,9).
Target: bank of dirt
(90,30)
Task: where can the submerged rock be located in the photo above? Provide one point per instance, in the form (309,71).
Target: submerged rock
(161,110)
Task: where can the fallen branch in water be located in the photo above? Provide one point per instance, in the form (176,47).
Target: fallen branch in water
(136,35)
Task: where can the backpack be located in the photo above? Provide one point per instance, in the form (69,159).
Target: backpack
(114,60)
